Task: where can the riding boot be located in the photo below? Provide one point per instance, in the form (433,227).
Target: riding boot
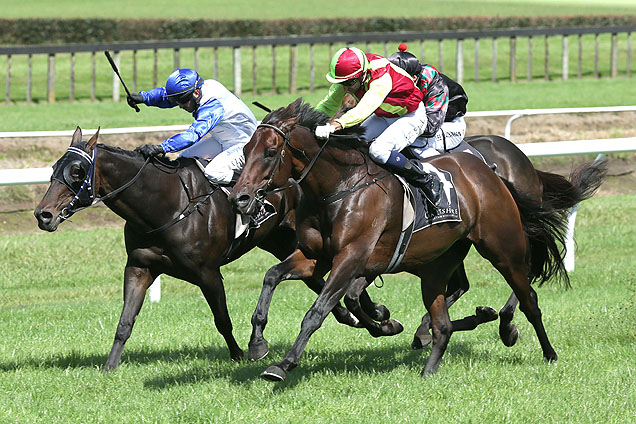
(429,182)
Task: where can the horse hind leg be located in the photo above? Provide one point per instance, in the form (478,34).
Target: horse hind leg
(136,283)
(389,327)
(508,255)
(508,332)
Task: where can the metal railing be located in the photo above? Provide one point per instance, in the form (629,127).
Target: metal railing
(383,43)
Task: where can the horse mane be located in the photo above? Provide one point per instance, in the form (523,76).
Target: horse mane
(309,117)
(134,154)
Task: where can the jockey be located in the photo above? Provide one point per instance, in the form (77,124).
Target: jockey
(389,107)
(446,126)
(223,124)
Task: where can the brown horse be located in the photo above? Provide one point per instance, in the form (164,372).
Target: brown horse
(355,236)
(176,224)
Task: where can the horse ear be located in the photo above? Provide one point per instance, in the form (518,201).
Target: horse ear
(92,142)
(77,136)
(288,124)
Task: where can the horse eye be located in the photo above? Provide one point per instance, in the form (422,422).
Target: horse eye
(270,152)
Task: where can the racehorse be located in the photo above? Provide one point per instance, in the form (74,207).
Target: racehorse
(176,224)
(355,235)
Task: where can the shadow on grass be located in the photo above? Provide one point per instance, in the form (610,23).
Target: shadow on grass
(206,363)
(75,359)
(358,360)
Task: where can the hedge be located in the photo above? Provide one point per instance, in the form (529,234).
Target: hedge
(63,31)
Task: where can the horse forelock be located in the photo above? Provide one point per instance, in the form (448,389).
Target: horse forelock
(306,115)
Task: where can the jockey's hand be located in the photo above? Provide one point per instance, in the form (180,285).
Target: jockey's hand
(134,99)
(323,131)
(149,150)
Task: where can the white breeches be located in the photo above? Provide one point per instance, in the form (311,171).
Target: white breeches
(453,132)
(223,163)
(393,133)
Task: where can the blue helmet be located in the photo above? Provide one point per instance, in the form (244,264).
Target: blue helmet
(181,84)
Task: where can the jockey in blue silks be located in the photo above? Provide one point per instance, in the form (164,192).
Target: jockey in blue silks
(222,125)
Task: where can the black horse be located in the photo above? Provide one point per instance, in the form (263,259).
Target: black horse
(176,224)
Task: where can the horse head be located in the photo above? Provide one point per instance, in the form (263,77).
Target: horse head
(268,162)
(71,183)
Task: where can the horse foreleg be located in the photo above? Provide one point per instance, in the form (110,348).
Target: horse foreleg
(212,288)
(435,303)
(346,266)
(136,283)
(296,266)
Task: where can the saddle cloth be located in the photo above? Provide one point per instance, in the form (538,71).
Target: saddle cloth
(416,215)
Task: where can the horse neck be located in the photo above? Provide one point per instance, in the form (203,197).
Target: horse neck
(115,169)
(335,169)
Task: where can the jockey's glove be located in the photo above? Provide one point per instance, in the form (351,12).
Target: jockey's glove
(134,99)
(149,150)
(323,131)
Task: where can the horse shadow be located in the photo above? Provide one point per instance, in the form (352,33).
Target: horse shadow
(367,360)
(375,360)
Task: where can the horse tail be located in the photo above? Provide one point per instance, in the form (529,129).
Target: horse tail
(546,224)
(561,193)
(545,230)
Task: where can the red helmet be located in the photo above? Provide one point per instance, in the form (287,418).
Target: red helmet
(348,63)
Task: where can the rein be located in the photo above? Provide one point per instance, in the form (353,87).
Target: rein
(262,193)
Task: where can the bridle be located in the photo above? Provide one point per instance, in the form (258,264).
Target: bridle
(265,191)
(84,196)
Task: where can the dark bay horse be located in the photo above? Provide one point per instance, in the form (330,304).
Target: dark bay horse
(355,236)
(192,249)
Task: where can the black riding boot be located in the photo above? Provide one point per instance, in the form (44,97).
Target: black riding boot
(429,182)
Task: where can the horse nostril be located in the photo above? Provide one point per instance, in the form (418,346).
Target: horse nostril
(242,200)
(43,216)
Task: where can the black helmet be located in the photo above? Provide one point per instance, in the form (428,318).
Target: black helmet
(406,61)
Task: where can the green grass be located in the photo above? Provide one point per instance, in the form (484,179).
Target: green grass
(280,9)
(61,299)
(483,96)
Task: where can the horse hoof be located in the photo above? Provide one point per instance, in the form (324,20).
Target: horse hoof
(551,357)
(257,351)
(392,327)
(238,357)
(274,373)
(420,342)
(486,313)
(380,313)
(509,335)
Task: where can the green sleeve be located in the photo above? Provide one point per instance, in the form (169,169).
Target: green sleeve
(332,101)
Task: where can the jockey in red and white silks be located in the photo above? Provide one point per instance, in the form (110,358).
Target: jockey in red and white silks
(389,107)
